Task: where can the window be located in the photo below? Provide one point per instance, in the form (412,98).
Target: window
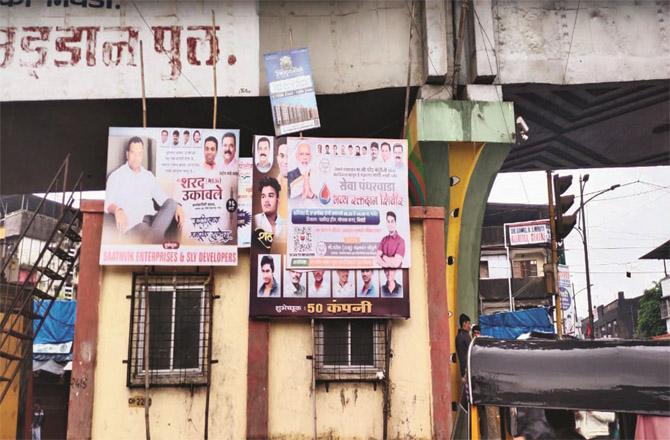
(483,269)
(351,349)
(179,315)
(524,268)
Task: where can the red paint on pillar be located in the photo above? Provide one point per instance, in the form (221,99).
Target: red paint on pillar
(257,379)
(438,315)
(80,413)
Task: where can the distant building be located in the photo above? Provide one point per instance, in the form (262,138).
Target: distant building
(15,214)
(527,262)
(617,319)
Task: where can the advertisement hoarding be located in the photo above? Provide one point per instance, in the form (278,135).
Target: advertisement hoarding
(527,233)
(291,89)
(171,197)
(279,291)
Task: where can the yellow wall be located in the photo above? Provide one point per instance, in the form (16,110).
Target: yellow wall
(351,410)
(175,413)
(354,410)
(9,406)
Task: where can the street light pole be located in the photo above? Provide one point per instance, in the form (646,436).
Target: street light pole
(582,183)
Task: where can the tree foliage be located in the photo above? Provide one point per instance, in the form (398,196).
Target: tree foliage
(650,322)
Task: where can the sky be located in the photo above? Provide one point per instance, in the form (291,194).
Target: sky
(622,225)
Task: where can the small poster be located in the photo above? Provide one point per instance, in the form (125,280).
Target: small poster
(279,291)
(348,203)
(291,90)
(564,285)
(171,197)
(244,202)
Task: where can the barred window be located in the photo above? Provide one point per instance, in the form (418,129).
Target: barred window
(351,349)
(179,315)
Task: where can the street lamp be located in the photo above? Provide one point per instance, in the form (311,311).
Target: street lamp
(582,183)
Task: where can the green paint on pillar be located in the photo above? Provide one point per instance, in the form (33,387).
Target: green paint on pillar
(474,206)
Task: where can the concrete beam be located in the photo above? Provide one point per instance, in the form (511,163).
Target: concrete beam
(437,38)
(483,63)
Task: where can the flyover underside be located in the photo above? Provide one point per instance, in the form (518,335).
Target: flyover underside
(601,125)
(574,126)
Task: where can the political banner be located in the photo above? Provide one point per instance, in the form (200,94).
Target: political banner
(278,291)
(291,90)
(171,197)
(348,203)
(531,232)
(245,190)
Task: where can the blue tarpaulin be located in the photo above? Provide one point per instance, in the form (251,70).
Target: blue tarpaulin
(59,325)
(510,325)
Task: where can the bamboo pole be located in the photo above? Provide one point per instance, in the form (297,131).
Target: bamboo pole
(215,44)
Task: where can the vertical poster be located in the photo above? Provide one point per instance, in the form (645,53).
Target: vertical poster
(291,90)
(171,197)
(349,204)
(280,291)
(245,190)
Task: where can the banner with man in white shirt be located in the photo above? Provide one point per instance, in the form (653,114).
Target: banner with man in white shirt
(171,197)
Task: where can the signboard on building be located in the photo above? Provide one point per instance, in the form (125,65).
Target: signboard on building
(90,49)
(278,290)
(564,285)
(171,197)
(526,233)
(291,89)
(348,203)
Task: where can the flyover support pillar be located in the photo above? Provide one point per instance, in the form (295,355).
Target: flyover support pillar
(456,150)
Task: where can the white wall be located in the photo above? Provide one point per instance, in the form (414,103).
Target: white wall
(498,265)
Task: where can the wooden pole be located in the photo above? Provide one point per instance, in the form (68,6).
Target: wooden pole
(147,335)
(215,44)
(144,95)
(409,71)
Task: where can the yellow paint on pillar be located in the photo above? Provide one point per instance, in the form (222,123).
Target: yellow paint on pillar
(463,157)
(9,407)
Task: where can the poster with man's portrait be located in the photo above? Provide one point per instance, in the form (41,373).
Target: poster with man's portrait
(171,197)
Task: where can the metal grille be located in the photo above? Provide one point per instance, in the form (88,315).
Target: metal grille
(179,324)
(351,349)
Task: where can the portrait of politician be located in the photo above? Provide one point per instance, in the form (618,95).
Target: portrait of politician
(263,154)
(343,285)
(269,288)
(229,149)
(131,194)
(391,288)
(374,151)
(294,284)
(391,249)
(187,136)
(164,137)
(175,137)
(319,284)
(210,149)
(299,183)
(397,155)
(367,287)
(196,137)
(269,220)
(386,151)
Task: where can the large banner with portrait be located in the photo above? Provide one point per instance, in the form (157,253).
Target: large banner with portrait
(171,197)
(348,203)
(279,291)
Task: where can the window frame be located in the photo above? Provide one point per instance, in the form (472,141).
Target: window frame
(333,372)
(194,376)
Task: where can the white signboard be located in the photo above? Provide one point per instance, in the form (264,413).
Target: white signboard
(348,203)
(90,49)
(524,233)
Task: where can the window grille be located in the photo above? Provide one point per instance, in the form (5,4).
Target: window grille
(351,349)
(179,316)
(524,268)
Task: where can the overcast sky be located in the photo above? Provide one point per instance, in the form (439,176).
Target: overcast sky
(622,225)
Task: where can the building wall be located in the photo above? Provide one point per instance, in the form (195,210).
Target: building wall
(344,410)
(176,412)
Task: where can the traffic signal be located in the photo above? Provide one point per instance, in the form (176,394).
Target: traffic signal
(564,223)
